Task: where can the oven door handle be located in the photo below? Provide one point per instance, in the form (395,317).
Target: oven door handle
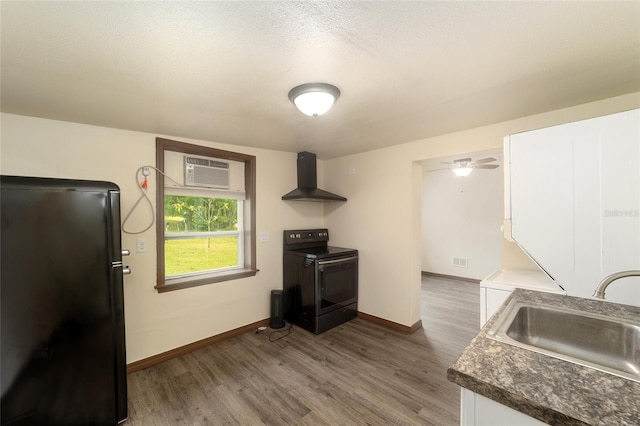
(343,260)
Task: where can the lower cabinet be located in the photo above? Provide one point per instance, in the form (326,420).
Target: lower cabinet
(476,410)
(490,300)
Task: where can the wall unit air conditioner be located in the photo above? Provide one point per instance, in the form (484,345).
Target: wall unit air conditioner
(206,173)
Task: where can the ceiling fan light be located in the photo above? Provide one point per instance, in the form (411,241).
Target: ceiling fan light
(462,171)
(314,99)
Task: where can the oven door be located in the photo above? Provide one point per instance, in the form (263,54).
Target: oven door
(337,283)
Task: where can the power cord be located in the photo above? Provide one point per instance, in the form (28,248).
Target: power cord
(144,171)
(287,332)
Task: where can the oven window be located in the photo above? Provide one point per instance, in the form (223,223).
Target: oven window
(338,284)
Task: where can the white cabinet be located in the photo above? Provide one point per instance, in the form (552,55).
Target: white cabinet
(573,201)
(480,411)
(490,300)
(495,289)
(476,410)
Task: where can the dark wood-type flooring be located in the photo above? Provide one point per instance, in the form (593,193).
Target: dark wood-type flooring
(355,374)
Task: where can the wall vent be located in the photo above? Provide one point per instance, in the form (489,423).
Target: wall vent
(461,262)
(207,173)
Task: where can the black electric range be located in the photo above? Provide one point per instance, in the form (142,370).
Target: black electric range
(320,281)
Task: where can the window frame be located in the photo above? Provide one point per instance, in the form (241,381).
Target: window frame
(249,215)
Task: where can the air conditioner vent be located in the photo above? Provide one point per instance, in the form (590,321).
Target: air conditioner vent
(461,262)
(206,173)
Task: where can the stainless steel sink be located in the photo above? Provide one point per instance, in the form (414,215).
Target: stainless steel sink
(592,340)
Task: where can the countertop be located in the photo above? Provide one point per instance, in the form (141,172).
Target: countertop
(546,388)
(508,279)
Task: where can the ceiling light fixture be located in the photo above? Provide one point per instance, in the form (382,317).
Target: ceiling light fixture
(461,170)
(314,99)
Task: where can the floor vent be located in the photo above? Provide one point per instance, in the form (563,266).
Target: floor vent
(461,262)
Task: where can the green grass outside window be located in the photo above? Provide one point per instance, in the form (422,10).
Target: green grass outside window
(200,254)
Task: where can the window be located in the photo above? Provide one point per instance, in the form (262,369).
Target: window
(201,235)
(205,235)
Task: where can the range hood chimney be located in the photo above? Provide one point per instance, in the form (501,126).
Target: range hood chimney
(307,189)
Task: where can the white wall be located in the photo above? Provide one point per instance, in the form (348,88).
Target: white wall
(156,322)
(381,218)
(462,217)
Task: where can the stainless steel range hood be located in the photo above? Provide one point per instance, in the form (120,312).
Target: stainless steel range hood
(307,189)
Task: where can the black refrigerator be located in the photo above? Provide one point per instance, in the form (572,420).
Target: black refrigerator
(62,330)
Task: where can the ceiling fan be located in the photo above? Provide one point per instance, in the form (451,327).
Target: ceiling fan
(464,166)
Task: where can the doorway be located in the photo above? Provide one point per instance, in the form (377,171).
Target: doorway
(462,217)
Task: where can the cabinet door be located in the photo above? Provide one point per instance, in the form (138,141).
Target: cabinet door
(495,299)
(491,413)
(575,200)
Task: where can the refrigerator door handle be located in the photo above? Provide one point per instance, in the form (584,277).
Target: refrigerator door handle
(125,269)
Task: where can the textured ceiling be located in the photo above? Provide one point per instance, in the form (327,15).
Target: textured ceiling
(221,71)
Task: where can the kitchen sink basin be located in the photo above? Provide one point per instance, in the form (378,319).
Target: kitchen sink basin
(604,343)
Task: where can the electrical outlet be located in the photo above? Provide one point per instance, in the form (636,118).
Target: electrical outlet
(265,237)
(141,245)
(146,171)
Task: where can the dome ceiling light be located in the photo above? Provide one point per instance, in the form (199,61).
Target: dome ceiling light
(314,99)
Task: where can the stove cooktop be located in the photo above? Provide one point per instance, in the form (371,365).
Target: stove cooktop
(324,252)
(312,243)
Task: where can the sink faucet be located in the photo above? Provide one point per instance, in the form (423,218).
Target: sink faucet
(599,293)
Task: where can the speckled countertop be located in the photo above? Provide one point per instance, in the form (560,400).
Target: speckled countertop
(549,389)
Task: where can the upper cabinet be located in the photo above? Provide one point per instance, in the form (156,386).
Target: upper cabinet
(573,202)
